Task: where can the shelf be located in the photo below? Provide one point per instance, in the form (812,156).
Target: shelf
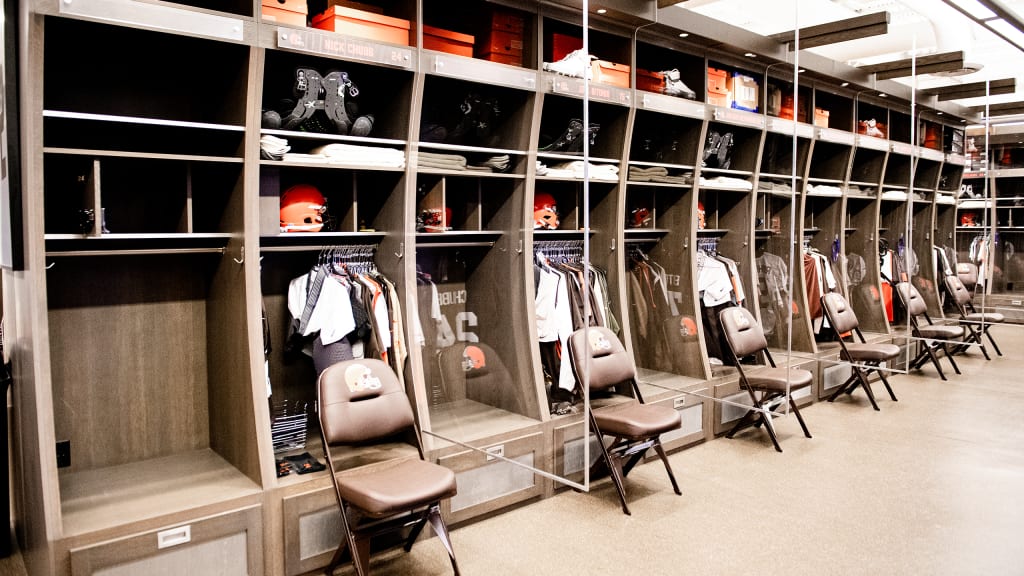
(140,121)
(128,244)
(712,232)
(638,235)
(654,184)
(325,165)
(543,235)
(301,241)
(98,499)
(457,239)
(333,137)
(470,149)
(141,155)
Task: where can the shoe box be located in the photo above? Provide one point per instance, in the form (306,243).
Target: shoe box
(503,40)
(291,12)
(363,24)
(821,117)
(650,81)
(605,72)
(561,45)
(744,92)
(718,91)
(786,110)
(447,41)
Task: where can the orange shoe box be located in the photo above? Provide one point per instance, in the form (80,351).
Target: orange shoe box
(447,41)
(510,59)
(649,81)
(821,117)
(716,99)
(610,73)
(364,24)
(717,83)
(562,44)
(291,12)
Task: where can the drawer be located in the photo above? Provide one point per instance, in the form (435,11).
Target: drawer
(221,545)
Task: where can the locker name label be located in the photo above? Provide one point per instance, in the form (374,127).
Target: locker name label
(338,45)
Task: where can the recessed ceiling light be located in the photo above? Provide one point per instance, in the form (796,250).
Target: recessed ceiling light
(801,71)
(845,84)
(940,112)
(883,95)
(750,55)
(601,10)
(963,121)
(683,34)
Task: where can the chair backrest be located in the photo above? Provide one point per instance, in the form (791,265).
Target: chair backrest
(968,274)
(742,331)
(957,289)
(610,364)
(361,401)
(911,299)
(839,312)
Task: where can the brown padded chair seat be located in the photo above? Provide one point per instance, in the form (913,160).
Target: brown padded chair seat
(397,486)
(940,331)
(776,379)
(864,352)
(990,317)
(636,420)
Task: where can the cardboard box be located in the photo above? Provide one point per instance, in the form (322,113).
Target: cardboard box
(507,20)
(716,99)
(606,72)
(650,81)
(356,5)
(562,45)
(447,41)
(821,117)
(282,16)
(290,5)
(364,24)
(717,82)
(744,92)
(502,42)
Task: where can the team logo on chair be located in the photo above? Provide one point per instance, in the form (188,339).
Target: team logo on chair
(598,342)
(740,318)
(473,358)
(360,378)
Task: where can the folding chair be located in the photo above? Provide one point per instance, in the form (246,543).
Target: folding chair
(934,337)
(363,404)
(864,358)
(976,323)
(768,387)
(635,426)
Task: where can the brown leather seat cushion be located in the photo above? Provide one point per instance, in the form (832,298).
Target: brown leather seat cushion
(869,352)
(941,332)
(396,486)
(989,317)
(776,379)
(635,420)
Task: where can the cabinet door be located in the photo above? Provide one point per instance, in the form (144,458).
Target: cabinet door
(220,545)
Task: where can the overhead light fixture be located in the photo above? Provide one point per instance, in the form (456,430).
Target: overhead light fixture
(975,9)
(974,89)
(883,95)
(907,67)
(601,10)
(845,84)
(1001,109)
(801,71)
(839,31)
(683,34)
(750,55)
(940,113)
(1007,30)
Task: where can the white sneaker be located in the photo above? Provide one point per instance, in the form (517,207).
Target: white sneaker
(575,64)
(675,87)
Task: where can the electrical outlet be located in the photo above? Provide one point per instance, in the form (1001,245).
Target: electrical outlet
(63,453)
(678,403)
(493,451)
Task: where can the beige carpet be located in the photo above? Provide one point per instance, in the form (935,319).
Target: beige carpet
(932,484)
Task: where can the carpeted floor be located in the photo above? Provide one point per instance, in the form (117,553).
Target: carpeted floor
(931,484)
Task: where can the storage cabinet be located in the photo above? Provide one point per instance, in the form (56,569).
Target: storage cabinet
(156,294)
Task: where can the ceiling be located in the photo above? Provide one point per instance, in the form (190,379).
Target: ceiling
(920,27)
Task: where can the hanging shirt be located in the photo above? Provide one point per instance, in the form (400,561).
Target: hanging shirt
(713,281)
